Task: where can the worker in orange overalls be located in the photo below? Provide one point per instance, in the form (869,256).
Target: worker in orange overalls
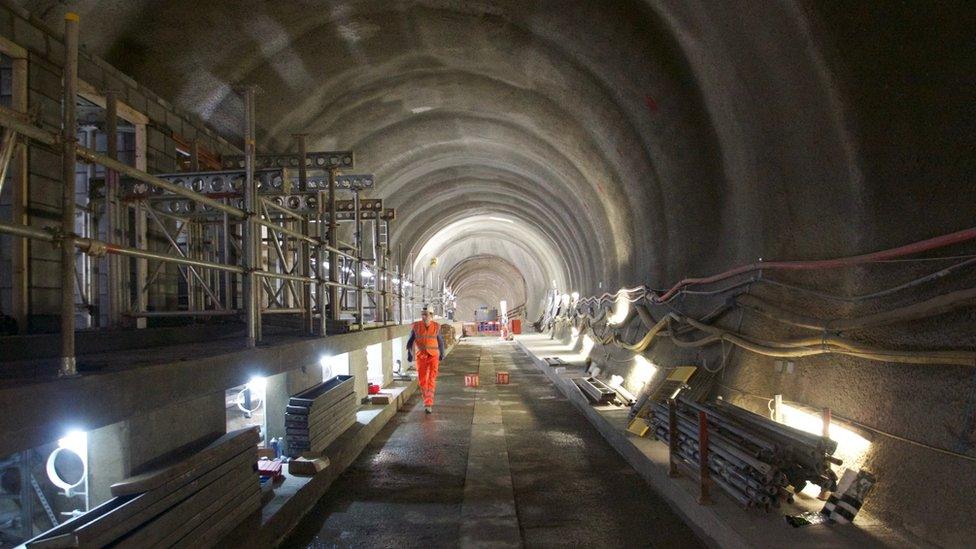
(426,339)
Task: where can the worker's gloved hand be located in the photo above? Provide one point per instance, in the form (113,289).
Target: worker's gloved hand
(409,357)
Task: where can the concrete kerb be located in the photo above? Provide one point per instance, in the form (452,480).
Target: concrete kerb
(701,519)
(723,523)
(298,495)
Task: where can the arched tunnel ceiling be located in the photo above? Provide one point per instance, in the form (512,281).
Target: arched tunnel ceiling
(485,281)
(629,142)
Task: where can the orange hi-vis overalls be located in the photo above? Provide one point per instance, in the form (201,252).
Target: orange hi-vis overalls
(428,358)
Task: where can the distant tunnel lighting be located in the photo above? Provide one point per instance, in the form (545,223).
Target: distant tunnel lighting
(644,370)
(851,447)
(501,219)
(621,309)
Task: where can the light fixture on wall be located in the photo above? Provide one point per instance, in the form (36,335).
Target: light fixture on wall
(621,308)
(644,370)
(67,466)
(326,364)
(257,387)
(587,346)
(852,448)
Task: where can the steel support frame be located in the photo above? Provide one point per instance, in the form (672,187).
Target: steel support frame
(290,239)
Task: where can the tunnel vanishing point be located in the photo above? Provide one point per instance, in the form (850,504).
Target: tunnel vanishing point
(749,225)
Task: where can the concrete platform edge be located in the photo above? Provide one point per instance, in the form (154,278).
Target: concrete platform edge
(341,454)
(710,528)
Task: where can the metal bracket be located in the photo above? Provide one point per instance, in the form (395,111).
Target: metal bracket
(314,160)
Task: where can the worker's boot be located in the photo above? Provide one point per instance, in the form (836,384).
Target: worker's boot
(428,409)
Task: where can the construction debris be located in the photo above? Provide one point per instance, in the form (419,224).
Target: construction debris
(597,391)
(304,467)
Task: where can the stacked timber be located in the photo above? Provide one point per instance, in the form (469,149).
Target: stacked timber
(194,502)
(754,459)
(318,415)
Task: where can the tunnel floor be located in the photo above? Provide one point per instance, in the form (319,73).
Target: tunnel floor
(495,465)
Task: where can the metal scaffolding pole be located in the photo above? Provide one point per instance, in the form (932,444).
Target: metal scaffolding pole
(322,257)
(334,244)
(68,136)
(379,276)
(250,234)
(308,314)
(114,289)
(360,285)
(19,194)
(400,277)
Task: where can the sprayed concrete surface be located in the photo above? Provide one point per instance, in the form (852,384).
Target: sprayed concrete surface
(503,465)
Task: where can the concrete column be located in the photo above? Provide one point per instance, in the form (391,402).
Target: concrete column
(280,388)
(275,400)
(130,447)
(358,367)
(387,362)
(108,460)
(156,434)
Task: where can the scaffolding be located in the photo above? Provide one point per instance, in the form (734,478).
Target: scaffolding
(257,237)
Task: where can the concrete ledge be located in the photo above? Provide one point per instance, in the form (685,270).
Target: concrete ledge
(296,496)
(136,382)
(723,523)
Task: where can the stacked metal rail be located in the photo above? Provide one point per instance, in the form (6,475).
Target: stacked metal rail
(318,415)
(752,458)
(597,391)
(193,503)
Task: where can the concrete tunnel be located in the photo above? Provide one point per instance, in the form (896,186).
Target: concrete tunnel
(762,210)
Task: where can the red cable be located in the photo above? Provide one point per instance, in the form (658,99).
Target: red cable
(908,249)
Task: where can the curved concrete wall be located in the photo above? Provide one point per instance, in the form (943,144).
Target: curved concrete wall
(606,144)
